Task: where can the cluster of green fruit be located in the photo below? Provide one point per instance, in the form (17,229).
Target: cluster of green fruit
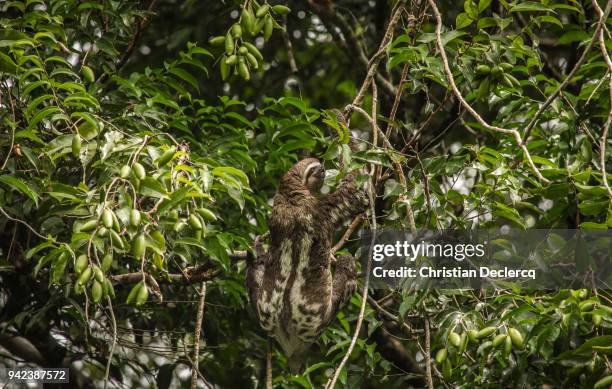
(509,340)
(491,75)
(100,286)
(240,55)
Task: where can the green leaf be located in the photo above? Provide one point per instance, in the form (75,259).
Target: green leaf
(527,6)
(15,183)
(149,186)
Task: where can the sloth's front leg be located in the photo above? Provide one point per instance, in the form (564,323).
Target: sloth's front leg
(344,283)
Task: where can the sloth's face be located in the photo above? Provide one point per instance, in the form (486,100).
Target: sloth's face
(314,175)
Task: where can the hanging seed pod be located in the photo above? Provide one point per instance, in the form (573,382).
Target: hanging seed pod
(454,339)
(76,145)
(84,277)
(98,275)
(143,295)
(88,225)
(116,240)
(236,31)
(243,70)
(110,290)
(125,171)
(517,338)
(139,170)
(96,291)
(139,246)
(107,262)
(116,225)
(281,9)
(253,50)
(263,10)
(232,60)
(487,331)
(81,263)
(88,74)
(229,44)
(507,345)
(268,27)
(166,156)
(134,292)
(247,21)
(252,60)
(194,222)
(207,214)
(441,355)
(107,218)
(103,232)
(473,335)
(135,218)
(224,67)
(217,40)
(499,339)
(483,70)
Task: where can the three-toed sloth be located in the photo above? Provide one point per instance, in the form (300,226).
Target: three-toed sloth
(291,287)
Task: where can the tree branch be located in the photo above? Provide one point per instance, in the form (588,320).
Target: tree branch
(476,115)
(196,337)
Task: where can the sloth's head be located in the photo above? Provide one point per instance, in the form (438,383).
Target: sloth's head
(308,173)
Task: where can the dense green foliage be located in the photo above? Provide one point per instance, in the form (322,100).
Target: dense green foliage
(128,149)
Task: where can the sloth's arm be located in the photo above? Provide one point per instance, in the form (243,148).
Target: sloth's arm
(346,201)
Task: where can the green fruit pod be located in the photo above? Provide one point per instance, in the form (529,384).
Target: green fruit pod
(139,247)
(517,338)
(207,214)
(179,226)
(76,145)
(268,27)
(487,331)
(506,66)
(507,345)
(195,223)
(447,369)
(116,239)
(247,21)
(464,342)
(262,11)
(143,295)
(253,50)
(81,263)
(107,262)
(586,306)
(88,225)
(483,70)
(125,171)
(103,232)
(224,68)
(243,50)
(252,60)
(473,335)
(116,226)
(454,339)
(217,40)
(597,319)
(139,170)
(243,70)
(98,275)
(96,291)
(134,292)
(441,355)
(232,60)
(499,339)
(281,9)
(110,289)
(88,74)
(107,218)
(236,31)
(135,218)
(166,156)
(229,44)
(84,277)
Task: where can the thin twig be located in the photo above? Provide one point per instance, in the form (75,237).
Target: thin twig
(196,335)
(604,133)
(427,353)
(269,363)
(468,107)
(114,342)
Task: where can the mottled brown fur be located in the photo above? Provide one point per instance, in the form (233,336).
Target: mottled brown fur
(291,286)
